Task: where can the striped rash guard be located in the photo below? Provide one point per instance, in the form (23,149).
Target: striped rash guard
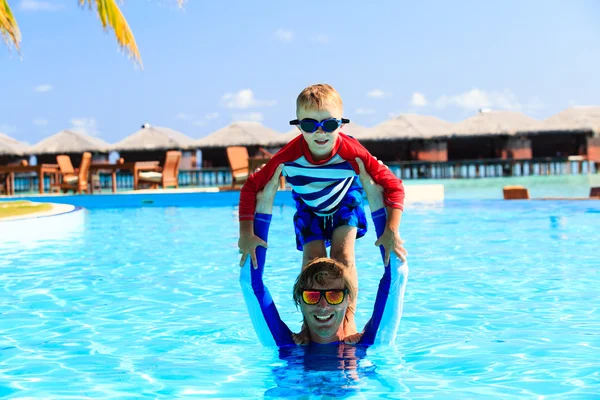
(321,185)
(272,331)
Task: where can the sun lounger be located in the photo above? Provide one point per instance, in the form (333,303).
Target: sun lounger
(515,193)
(165,177)
(75,180)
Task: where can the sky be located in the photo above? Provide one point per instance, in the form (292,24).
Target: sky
(215,62)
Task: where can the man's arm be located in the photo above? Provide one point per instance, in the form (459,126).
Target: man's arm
(248,241)
(269,327)
(387,312)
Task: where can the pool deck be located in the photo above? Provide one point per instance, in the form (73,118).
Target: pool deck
(64,203)
(421,192)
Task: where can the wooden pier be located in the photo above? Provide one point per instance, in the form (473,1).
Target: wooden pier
(471,169)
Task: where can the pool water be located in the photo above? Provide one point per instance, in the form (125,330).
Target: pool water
(502,302)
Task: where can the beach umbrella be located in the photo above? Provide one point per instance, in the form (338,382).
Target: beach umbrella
(70,142)
(284,138)
(12,147)
(154,138)
(573,119)
(241,133)
(488,122)
(409,126)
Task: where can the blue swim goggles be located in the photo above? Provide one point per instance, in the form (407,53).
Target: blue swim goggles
(310,125)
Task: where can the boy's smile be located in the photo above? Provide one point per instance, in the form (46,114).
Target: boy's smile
(320,143)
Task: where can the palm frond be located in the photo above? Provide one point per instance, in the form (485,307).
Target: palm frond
(110,15)
(8,26)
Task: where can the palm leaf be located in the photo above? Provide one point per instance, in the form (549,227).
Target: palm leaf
(8,26)
(110,15)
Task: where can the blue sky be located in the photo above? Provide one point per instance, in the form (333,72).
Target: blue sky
(218,61)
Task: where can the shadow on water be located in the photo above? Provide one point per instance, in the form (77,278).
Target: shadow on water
(324,370)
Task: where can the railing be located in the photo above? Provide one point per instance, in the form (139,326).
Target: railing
(207,177)
(198,177)
(492,168)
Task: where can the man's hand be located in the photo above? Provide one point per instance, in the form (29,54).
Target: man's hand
(391,242)
(264,204)
(390,239)
(248,243)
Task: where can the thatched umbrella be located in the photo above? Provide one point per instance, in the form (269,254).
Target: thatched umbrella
(70,142)
(493,123)
(243,133)
(409,127)
(573,119)
(154,138)
(12,147)
(284,138)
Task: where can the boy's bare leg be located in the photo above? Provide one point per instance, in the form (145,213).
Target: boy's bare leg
(342,250)
(312,250)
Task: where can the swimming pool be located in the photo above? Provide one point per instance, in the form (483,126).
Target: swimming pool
(502,300)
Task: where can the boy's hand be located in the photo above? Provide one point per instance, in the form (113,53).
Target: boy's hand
(391,242)
(248,243)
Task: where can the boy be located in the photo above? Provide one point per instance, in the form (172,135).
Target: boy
(320,166)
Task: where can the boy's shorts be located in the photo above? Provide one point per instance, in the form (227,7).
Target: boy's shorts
(310,226)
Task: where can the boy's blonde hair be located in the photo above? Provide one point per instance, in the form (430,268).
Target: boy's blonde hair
(317,97)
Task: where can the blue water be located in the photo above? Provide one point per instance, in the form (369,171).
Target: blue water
(502,302)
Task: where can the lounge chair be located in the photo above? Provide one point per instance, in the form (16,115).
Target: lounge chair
(75,180)
(167,176)
(515,193)
(238,162)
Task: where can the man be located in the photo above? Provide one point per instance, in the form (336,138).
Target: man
(323,291)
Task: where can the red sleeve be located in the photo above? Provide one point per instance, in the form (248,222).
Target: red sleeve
(393,190)
(258,180)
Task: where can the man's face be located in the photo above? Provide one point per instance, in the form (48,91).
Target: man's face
(325,321)
(320,143)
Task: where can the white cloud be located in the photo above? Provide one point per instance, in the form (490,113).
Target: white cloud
(244,99)
(40,122)
(321,39)
(8,129)
(378,94)
(43,88)
(87,125)
(182,116)
(418,99)
(365,111)
(251,116)
(476,99)
(283,35)
(33,5)
(206,118)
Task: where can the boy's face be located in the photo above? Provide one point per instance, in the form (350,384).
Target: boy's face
(320,143)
